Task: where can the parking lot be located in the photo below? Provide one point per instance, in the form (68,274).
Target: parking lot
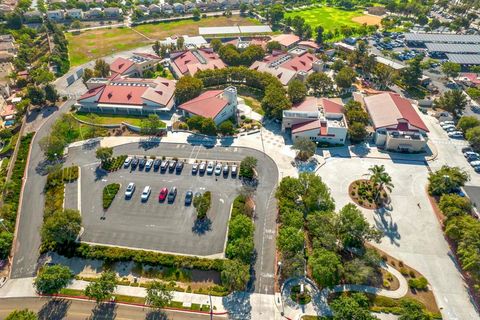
(154,224)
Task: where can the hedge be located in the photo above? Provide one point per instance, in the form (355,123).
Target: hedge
(114,163)
(418,284)
(109,193)
(240,243)
(114,254)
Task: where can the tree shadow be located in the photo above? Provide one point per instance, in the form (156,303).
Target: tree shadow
(201,226)
(238,305)
(46,166)
(149,143)
(54,309)
(156,315)
(104,311)
(91,144)
(100,173)
(206,141)
(384,222)
(226,141)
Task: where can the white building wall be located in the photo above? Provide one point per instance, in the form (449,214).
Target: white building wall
(338,135)
(227,112)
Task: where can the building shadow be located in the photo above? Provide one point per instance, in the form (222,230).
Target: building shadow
(55,309)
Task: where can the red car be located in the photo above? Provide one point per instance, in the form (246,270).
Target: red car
(163,194)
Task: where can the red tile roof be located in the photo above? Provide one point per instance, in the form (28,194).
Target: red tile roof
(472,77)
(309,104)
(306,126)
(187,61)
(309,44)
(301,63)
(330,106)
(120,65)
(209,104)
(129,95)
(286,39)
(91,93)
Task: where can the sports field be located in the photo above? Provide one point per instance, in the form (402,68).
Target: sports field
(93,44)
(330,18)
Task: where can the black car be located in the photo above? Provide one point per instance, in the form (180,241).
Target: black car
(172,194)
(156,164)
(467,149)
(179,167)
(141,163)
(171,165)
(188,198)
(134,163)
(164,166)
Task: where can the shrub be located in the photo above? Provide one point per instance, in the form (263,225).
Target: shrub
(247,167)
(403,270)
(109,193)
(114,163)
(418,284)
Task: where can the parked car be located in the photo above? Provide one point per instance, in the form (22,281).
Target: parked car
(130,190)
(475,163)
(467,149)
(467,154)
(171,165)
(163,194)
(156,164)
(210,167)
(195,168)
(473,158)
(451,129)
(127,162)
(146,193)
(218,169)
(134,163)
(201,167)
(172,194)
(226,170)
(448,126)
(164,166)
(149,164)
(179,167)
(141,163)
(455,134)
(443,123)
(234,170)
(477,169)
(188,198)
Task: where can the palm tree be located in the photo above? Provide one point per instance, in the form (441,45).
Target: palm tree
(380,179)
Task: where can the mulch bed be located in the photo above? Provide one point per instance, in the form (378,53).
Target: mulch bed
(366,201)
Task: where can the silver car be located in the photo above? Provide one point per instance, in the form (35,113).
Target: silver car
(210,167)
(146,193)
(130,190)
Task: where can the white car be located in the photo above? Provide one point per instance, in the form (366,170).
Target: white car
(146,193)
(455,134)
(201,167)
(471,154)
(443,123)
(127,162)
(210,167)
(218,169)
(149,164)
(451,129)
(475,163)
(130,190)
(448,126)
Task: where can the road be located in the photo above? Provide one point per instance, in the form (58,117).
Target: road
(26,247)
(59,309)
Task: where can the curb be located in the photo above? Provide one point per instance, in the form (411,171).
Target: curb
(83,298)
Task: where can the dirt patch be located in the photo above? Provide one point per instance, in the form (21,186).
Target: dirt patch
(368,19)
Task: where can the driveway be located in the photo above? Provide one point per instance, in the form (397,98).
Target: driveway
(412,232)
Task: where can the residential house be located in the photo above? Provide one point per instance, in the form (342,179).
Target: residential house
(167,8)
(143,9)
(188,42)
(5,8)
(154,8)
(188,62)
(178,7)
(233,4)
(56,15)
(74,14)
(6,68)
(287,41)
(128,96)
(7,44)
(101,2)
(189,6)
(93,13)
(32,16)
(297,63)
(397,125)
(317,119)
(470,79)
(218,105)
(133,66)
(112,12)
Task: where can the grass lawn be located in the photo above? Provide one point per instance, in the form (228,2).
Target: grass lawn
(254,104)
(112,118)
(94,44)
(331,18)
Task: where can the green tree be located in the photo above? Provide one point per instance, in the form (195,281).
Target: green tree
(473,137)
(187,88)
(208,127)
(216,44)
(451,69)
(453,205)
(51,279)
(338,65)
(325,266)
(36,95)
(290,240)
(320,83)
(275,101)
(235,275)
(102,69)
(467,122)
(195,122)
(52,146)
(202,204)
(226,128)
(306,148)
(61,228)
(446,180)
(102,288)
(159,294)
(384,75)
(273,46)
(474,93)
(87,75)
(251,54)
(6,239)
(152,125)
(196,14)
(104,153)
(51,94)
(247,167)
(380,179)
(156,48)
(22,315)
(296,91)
(180,43)
(345,77)
(276,14)
(354,307)
(357,132)
(319,34)
(413,310)
(411,75)
(240,238)
(453,101)
(353,229)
